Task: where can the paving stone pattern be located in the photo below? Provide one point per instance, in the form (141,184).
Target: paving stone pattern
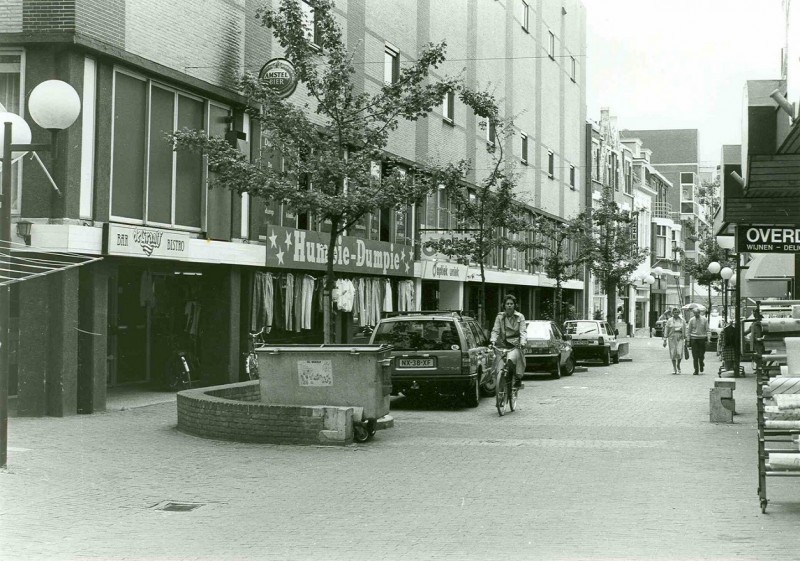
(617,462)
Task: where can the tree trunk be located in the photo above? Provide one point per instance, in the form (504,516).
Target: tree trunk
(327,289)
(557,311)
(611,306)
(482,299)
(709,298)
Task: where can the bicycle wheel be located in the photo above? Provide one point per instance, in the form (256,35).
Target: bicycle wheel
(500,397)
(512,393)
(173,373)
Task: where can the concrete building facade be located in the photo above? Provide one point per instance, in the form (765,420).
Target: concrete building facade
(180,259)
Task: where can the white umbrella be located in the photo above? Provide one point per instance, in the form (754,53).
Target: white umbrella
(695,306)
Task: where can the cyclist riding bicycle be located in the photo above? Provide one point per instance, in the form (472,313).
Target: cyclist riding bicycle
(509,333)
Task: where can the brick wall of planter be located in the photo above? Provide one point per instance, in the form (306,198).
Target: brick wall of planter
(235,412)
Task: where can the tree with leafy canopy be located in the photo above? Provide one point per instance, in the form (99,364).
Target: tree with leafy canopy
(608,246)
(710,251)
(554,250)
(332,142)
(487,213)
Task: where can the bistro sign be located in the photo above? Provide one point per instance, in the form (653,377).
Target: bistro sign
(135,241)
(303,249)
(768,239)
(280,76)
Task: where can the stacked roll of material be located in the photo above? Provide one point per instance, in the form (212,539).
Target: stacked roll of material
(775,414)
(793,354)
(781,325)
(782,384)
(783,425)
(781,461)
(786,401)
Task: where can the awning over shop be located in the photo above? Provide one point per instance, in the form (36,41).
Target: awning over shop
(19,262)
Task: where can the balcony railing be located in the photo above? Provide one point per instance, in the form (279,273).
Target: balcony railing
(662,210)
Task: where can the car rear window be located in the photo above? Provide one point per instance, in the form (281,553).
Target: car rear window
(418,335)
(582,328)
(537,330)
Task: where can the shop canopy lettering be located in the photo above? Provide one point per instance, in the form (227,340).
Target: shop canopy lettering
(768,239)
(303,249)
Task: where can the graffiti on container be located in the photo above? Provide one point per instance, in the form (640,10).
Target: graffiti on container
(314,373)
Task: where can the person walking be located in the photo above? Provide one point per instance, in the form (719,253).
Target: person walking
(699,335)
(675,334)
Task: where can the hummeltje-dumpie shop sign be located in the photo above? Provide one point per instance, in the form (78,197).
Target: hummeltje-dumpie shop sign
(767,239)
(290,248)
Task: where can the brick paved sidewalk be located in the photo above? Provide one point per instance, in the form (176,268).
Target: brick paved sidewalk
(617,462)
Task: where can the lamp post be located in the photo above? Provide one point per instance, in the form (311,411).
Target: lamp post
(53,105)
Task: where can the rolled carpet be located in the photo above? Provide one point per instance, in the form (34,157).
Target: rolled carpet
(784,461)
(786,401)
(783,384)
(781,424)
(775,414)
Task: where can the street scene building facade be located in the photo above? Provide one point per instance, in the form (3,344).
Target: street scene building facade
(184,264)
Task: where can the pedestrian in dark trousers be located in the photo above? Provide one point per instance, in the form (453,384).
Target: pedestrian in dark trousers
(698,337)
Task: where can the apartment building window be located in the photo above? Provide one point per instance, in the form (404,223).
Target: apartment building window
(11,97)
(448,107)
(391,64)
(628,177)
(661,242)
(572,177)
(551,45)
(551,164)
(597,163)
(572,68)
(310,29)
(151,183)
(523,14)
(524,138)
(687,186)
(491,133)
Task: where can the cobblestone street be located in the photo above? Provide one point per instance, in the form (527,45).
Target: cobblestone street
(617,462)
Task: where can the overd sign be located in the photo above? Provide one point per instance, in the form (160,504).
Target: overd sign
(280,76)
(767,239)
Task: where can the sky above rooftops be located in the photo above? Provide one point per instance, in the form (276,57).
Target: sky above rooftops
(662,64)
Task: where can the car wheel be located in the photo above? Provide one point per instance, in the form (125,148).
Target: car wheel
(606,357)
(615,358)
(569,367)
(472,395)
(556,373)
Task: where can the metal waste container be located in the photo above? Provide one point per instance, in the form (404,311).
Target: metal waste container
(348,375)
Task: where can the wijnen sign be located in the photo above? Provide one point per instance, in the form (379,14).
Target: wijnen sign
(767,239)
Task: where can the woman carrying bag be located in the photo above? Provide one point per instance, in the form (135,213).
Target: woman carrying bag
(675,330)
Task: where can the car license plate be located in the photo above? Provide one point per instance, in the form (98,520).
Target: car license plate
(416,363)
(578,342)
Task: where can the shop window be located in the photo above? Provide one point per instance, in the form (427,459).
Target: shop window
(128,160)
(11,99)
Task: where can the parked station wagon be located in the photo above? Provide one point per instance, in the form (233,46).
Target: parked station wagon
(437,352)
(595,339)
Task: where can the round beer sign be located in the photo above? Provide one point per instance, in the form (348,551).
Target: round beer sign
(280,76)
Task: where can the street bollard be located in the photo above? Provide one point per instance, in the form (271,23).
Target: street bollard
(721,404)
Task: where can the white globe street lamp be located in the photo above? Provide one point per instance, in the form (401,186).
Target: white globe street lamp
(53,105)
(714,267)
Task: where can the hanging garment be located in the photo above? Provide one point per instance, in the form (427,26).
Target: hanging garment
(192,313)
(262,302)
(279,312)
(298,303)
(147,294)
(360,304)
(387,296)
(405,296)
(346,294)
(289,300)
(307,302)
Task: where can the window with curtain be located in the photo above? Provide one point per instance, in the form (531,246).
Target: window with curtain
(10,96)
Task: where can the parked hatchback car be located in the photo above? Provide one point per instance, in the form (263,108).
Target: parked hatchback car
(595,339)
(547,350)
(437,353)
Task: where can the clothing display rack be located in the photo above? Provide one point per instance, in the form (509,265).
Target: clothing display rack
(778,393)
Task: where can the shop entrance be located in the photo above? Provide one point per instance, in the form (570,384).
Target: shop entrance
(151,316)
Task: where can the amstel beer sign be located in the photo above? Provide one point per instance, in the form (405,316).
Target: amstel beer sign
(280,76)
